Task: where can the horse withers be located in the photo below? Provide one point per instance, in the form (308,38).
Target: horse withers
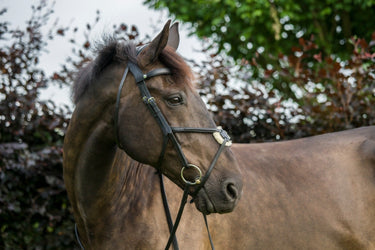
(173,132)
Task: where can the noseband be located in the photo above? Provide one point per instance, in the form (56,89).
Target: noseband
(169,134)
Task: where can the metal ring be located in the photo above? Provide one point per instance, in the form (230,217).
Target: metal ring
(197,180)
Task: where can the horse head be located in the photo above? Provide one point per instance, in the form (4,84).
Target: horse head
(157,117)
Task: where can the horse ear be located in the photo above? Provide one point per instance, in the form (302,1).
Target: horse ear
(174,36)
(153,50)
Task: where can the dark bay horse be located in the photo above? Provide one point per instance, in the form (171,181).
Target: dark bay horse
(311,193)
(157,118)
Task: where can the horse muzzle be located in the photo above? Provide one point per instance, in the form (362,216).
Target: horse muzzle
(221,198)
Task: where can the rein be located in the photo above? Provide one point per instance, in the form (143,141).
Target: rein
(169,134)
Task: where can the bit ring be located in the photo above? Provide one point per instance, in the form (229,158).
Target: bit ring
(197,179)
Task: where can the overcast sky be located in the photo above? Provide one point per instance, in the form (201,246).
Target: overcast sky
(79,12)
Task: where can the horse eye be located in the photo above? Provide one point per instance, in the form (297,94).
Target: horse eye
(175,100)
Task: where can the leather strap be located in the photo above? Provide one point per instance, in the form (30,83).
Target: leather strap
(158,72)
(194,130)
(117,107)
(77,236)
(167,211)
(179,215)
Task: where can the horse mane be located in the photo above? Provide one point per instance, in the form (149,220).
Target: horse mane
(112,51)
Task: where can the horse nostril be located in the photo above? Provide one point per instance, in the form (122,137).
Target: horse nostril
(231,191)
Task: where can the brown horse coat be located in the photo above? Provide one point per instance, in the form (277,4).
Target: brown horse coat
(311,193)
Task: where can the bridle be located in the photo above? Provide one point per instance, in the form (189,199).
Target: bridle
(169,134)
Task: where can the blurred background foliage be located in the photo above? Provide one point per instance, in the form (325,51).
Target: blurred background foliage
(242,27)
(273,71)
(302,67)
(34,208)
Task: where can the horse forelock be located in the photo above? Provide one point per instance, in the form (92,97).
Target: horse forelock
(115,51)
(109,51)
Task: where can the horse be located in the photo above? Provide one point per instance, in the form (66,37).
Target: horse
(162,123)
(310,193)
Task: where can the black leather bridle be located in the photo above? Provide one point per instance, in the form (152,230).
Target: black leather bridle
(169,134)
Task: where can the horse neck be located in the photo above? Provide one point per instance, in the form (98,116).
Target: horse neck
(99,177)
(128,193)
(130,183)
(88,151)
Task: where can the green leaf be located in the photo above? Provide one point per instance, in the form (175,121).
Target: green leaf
(326,11)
